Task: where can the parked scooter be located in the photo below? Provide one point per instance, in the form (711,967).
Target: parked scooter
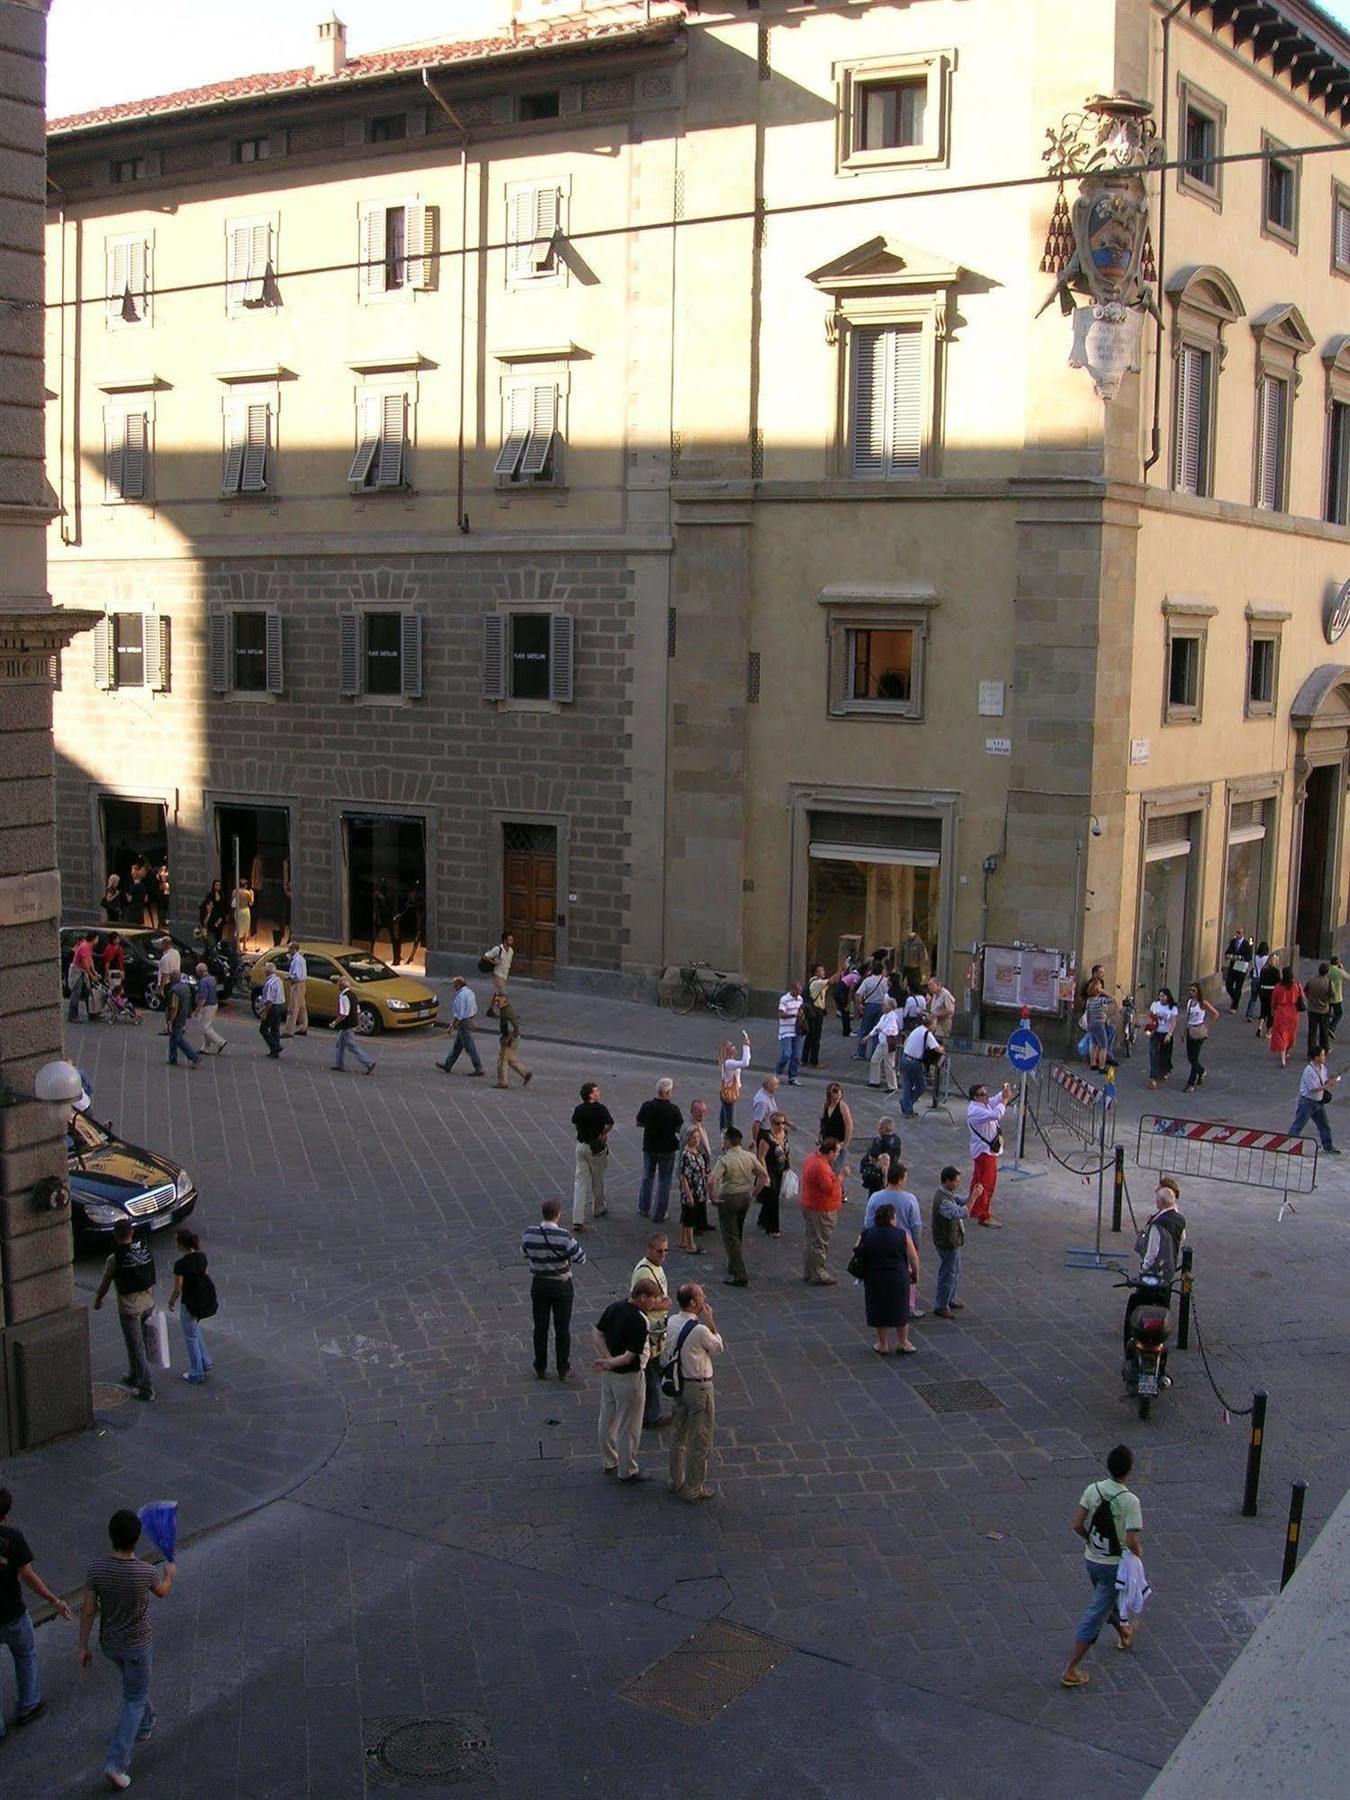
(1148,1325)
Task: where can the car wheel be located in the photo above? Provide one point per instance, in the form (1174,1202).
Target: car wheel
(154,998)
(368,1021)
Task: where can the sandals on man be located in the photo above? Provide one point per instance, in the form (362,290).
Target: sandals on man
(1075,1680)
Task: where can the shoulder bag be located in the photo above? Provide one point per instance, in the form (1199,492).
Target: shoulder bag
(672,1370)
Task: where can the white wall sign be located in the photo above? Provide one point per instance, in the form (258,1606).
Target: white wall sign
(24,899)
(1139,750)
(998,746)
(991,699)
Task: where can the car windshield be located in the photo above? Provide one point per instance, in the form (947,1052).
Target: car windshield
(83,1135)
(366,968)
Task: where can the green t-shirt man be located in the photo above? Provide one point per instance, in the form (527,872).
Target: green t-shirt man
(1125,1510)
(735,1172)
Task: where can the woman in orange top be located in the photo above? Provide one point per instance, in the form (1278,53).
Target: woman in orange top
(1284,1009)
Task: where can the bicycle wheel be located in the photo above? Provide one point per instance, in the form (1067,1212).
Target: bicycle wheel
(730,1001)
(685,997)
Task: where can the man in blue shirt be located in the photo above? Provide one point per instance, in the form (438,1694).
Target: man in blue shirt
(179,1001)
(271,1009)
(208,1004)
(463,1010)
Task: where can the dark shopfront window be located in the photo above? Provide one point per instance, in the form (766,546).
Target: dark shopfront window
(384,653)
(250,652)
(530,636)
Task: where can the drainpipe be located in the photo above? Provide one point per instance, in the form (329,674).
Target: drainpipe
(461,516)
(1155,440)
(66,535)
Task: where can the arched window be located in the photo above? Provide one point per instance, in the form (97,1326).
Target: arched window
(1204,301)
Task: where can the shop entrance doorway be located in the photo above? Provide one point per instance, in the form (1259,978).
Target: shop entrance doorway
(254,844)
(1316,862)
(530,896)
(874,883)
(135,837)
(387,886)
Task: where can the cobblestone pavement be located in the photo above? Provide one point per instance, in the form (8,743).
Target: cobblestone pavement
(450,1546)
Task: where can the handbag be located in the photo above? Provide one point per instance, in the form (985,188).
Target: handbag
(485,965)
(857,1262)
(1197,1033)
(158,1335)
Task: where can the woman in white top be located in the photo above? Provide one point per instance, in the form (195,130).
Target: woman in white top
(1199,1012)
(1162,1036)
(729,1086)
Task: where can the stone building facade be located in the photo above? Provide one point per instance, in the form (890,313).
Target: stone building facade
(703,330)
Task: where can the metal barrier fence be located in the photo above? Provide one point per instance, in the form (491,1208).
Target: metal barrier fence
(1076,1103)
(1234,1153)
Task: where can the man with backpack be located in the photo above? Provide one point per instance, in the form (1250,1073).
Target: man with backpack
(195,1288)
(1108,1519)
(131,1270)
(687,1377)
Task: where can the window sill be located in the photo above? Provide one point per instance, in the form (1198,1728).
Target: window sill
(861,709)
(383,493)
(381,699)
(903,156)
(1211,197)
(250,499)
(1181,718)
(1260,709)
(245,696)
(528,706)
(1278,235)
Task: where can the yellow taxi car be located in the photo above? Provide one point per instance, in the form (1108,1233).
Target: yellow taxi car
(384,1000)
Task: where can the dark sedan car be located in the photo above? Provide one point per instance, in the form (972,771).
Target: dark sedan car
(142,948)
(111,1181)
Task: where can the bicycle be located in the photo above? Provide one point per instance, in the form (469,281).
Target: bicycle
(722,995)
(1127,1024)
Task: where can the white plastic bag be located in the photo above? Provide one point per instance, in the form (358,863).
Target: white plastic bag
(159,1338)
(789,1188)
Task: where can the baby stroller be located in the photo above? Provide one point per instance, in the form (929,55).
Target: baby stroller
(118,1010)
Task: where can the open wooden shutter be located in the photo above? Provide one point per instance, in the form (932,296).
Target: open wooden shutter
(494,656)
(560,658)
(236,432)
(368,444)
(519,418)
(543,424)
(218,652)
(410,656)
(138,275)
(546,212)
(519,234)
(349,653)
(117,279)
(135,435)
(389,470)
(253,479)
(114,439)
(373,279)
(155,639)
(103,658)
(276,672)
(421,246)
(867,402)
(905,402)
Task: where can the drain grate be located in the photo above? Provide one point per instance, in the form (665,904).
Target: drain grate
(958,1396)
(455,1748)
(696,1682)
(108,1394)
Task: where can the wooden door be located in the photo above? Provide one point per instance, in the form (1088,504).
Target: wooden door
(530,896)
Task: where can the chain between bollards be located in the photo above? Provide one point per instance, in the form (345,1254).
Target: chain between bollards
(1184,1311)
(1118,1187)
(1298,1493)
(1258,1432)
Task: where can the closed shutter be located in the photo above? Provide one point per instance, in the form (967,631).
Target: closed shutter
(1343,234)
(410,656)
(236,431)
(546,212)
(349,653)
(1192,419)
(867,415)
(494,656)
(905,450)
(117,279)
(276,671)
(254,477)
(114,430)
(248,257)
(519,233)
(368,443)
(218,652)
(155,638)
(1270,465)
(421,245)
(519,417)
(103,661)
(543,402)
(389,472)
(373,279)
(560,657)
(886,402)
(135,433)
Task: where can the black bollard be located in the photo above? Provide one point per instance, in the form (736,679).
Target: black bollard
(1258,1432)
(1184,1311)
(1118,1187)
(1297,1494)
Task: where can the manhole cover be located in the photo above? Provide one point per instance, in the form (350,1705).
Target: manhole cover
(958,1396)
(455,1748)
(698,1680)
(108,1394)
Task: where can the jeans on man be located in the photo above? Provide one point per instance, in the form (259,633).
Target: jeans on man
(657,1172)
(789,1056)
(621,1397)
(948,1279)
(913,1081)
(136,1336)
(551,1301)
(731,1220)
(1102,1605)
(588,1183)
(347,1045)
(198,1361)
(269,1030)
(691,1437)
(178,1041)
(866,1026)
(1316,1111)
(463,1045)
(17,1638)
(137,1716)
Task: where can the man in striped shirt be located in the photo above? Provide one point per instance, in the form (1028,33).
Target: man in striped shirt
(551,1252)
(117,1592)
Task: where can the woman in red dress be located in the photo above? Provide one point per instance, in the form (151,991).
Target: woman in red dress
(1284,1008)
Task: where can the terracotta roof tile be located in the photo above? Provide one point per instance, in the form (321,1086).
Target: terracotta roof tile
(631,22)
